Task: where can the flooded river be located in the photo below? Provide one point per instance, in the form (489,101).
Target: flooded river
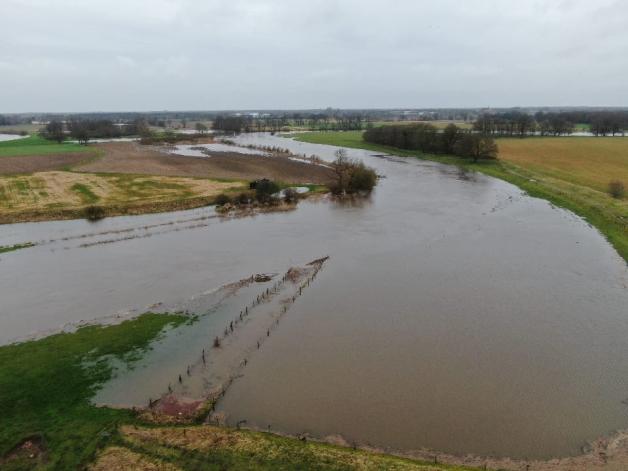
(454,313)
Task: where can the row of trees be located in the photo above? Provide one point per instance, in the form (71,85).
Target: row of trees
(426,138)
(86,129)
(237,124)
(517,123)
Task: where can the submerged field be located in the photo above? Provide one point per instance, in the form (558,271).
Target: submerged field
(571,172)
(48,422)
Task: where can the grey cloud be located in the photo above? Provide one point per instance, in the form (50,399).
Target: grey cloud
(77,55)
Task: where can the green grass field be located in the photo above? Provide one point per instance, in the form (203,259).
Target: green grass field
(571,172)
(37,145)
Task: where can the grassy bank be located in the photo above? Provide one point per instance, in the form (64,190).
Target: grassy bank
(37,145)
(47,421)
(570,172)
(46,385)
(209,448)
(66,195)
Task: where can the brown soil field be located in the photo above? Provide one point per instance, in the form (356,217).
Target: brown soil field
(41,163)
(133,158)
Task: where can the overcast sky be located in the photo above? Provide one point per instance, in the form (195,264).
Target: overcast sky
(104,55)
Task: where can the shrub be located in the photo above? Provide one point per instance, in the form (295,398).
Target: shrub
(362,178)
(616,189)
(243,198)
(351,175)
(147,138)
(222,200)
(264,189)
(94,213)
(290,195)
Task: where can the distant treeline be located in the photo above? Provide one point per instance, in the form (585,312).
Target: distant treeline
(85,129)
(517,123)
(428,139)
(238,124)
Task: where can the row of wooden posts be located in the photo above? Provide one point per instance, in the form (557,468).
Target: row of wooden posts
(264,296)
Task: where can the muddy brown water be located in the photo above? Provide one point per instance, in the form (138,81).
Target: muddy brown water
(455,313)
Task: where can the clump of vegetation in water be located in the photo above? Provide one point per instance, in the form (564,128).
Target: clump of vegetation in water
(46,387)
(11,248)
(94,213)
(352,176)
(244,198)
(616,189)
(290,195)
(223,199)
(264,190)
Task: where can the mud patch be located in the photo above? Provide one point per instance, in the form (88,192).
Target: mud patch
(31,451)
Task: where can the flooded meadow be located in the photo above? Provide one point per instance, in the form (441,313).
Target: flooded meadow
(454,313)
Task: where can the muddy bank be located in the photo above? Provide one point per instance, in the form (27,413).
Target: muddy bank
(604,454)
(108,210)
(130,157)
(41,163)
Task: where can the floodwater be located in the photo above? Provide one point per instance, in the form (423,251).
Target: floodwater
(10,137)
(196,150)
(454,313)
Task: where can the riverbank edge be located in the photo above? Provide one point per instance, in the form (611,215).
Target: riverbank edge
(108,211)
(141,208)
(579,200)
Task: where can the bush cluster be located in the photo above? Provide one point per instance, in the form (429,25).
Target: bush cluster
(261,192)
(351,176)
(94,213)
